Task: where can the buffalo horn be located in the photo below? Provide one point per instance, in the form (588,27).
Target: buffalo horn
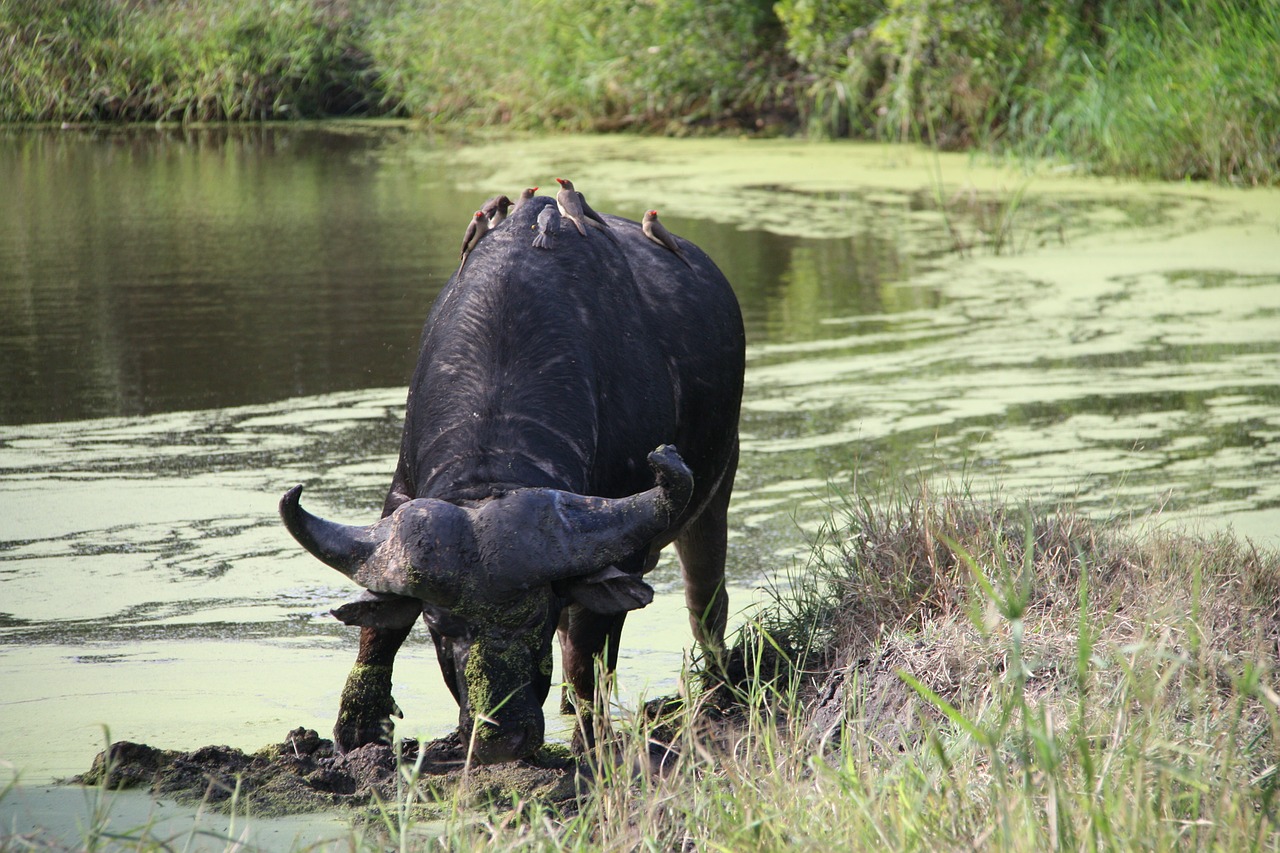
(344,547)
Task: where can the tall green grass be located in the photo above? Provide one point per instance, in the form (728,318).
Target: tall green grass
(1157,89)
(523,63)
(1181,90)
(572,64)
(88,60)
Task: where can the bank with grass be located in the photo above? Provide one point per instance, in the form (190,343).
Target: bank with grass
(948,673)
(1152,88)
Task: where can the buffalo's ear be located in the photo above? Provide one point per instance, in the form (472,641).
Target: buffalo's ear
(609,591)
(378,610)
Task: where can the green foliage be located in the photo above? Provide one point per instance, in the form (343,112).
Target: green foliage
(1180,90)
(683,58)
(1165,88)
(899,67)
(85,60)
(830,42)
(47,51)
(570,63)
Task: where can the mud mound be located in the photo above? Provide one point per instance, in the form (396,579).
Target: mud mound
(303,773)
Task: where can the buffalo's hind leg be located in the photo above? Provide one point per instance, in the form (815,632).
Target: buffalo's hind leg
(584,637)
(702,548)
(364,714)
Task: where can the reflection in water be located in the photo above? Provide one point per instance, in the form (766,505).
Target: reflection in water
(145,272)
(190,323)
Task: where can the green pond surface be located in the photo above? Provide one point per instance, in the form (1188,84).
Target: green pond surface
(193,321)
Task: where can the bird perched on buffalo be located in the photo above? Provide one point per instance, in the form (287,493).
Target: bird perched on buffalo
(525,195)
(496,209)
(591,214)
(569,201)
(658,233)
(548,221)
(478,228)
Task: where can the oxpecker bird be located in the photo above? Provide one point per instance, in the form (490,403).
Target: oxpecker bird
(496,209)
(525,195)
(591,214)
(478,228)
(570,204)
(548,221)
(658,233)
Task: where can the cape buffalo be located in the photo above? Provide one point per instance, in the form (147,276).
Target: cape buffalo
(572,412)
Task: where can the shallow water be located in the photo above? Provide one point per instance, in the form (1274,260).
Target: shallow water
(62,816)
(192,322)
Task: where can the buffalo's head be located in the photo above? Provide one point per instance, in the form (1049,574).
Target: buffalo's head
(490,579)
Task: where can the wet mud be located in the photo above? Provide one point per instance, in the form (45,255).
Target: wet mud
(303,773)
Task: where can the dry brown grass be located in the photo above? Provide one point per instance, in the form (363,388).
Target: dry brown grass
(975,601)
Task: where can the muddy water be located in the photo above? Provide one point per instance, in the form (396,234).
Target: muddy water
(191,323)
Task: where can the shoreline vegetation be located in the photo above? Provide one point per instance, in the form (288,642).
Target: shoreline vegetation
(1168,89)
(942,672)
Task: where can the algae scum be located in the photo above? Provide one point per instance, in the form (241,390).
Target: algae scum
(1121,352)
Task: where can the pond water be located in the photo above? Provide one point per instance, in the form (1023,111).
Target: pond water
(193,321)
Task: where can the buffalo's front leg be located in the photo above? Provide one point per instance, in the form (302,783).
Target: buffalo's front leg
(364,715)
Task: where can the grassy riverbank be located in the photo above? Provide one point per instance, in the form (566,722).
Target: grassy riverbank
(970,676)
(1153,88)
(975,677)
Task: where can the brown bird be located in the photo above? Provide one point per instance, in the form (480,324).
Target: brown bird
(569,201)
(496,209)
(658,233)
(525,195)
(548,221)
(478,228)
(591,214)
